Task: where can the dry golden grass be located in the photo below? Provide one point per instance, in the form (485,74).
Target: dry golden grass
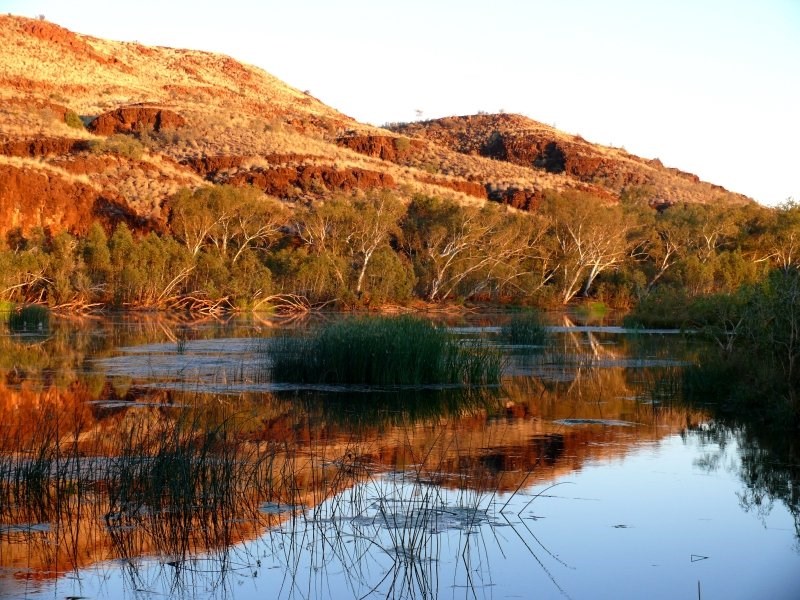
(467,136)
(239,110)
(38,164)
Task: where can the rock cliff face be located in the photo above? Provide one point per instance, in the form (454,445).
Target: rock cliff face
(393,149)
(186,118)
(289,182)
(38,199)
(40,146)
(136,119)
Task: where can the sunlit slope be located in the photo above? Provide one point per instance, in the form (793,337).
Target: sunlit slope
(159,119)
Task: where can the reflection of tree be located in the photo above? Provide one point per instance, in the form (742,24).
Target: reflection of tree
(769,466)
(195,475)
(184,477)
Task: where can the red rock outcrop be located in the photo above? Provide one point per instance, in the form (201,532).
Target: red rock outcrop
(58,111)
(136,118)
(210,166)
(285,181)
(385,147)
(54,34)
(516,198)
(40,146)
(470,188)
(31,199)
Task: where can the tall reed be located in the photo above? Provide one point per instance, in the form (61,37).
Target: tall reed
(526,328)
(384,351)
(28,318)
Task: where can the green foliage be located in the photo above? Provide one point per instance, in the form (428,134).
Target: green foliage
(362,250)
(250,279)
(388,278)
(96,255)
(757,332)
(384,351)
(665,307)
(226,219)
(72,119)
(771,325)
(588,239)
(459,250)
(29,318)
(341,236)
(592,309)
(402,144)
(525,328)
(147,272)
(317,276)
(64,269)
(120,144)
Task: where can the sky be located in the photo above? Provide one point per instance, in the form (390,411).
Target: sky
(708,86)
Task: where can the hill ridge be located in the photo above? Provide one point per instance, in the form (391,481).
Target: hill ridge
(223,121)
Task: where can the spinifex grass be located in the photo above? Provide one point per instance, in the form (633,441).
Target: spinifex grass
(384,351)
(526,328)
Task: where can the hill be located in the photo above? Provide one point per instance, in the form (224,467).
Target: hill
(92,129)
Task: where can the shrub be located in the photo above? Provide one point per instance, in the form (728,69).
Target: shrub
(388,278)
(72,119)
(120,144)
(402,144)
(384,351)
(663,307)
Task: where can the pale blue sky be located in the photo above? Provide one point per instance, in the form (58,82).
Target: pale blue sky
(708,86)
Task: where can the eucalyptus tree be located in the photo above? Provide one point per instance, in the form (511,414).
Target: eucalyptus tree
(780,242)
(346,232)
(230,219)
(590,237)
(451,244)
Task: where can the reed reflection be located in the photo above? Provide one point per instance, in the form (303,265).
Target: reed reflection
(192,491)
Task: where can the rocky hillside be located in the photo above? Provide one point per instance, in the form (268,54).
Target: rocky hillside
(95,129)
(606,171)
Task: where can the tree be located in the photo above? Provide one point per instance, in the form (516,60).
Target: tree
(590,238)
(97,256)
(443,239)
(230,219)
(348,231)
(780,242)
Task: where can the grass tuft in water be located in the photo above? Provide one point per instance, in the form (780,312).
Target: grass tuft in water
(403,350)
(524,329)
(28,318)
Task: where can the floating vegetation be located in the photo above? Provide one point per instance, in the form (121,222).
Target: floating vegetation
(384,351)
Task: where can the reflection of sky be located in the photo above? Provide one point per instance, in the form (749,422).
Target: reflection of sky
(615,529)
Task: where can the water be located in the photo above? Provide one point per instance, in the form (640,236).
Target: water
(161,462)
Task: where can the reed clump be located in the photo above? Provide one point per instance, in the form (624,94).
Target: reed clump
(526,328)
(28,318)
(384,351)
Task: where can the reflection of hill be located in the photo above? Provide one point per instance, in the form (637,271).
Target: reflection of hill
(271,451)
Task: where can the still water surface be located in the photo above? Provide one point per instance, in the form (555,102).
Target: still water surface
(147,458)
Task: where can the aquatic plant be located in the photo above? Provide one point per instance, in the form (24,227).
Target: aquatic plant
(28,318)
(526,328)
(403,350)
